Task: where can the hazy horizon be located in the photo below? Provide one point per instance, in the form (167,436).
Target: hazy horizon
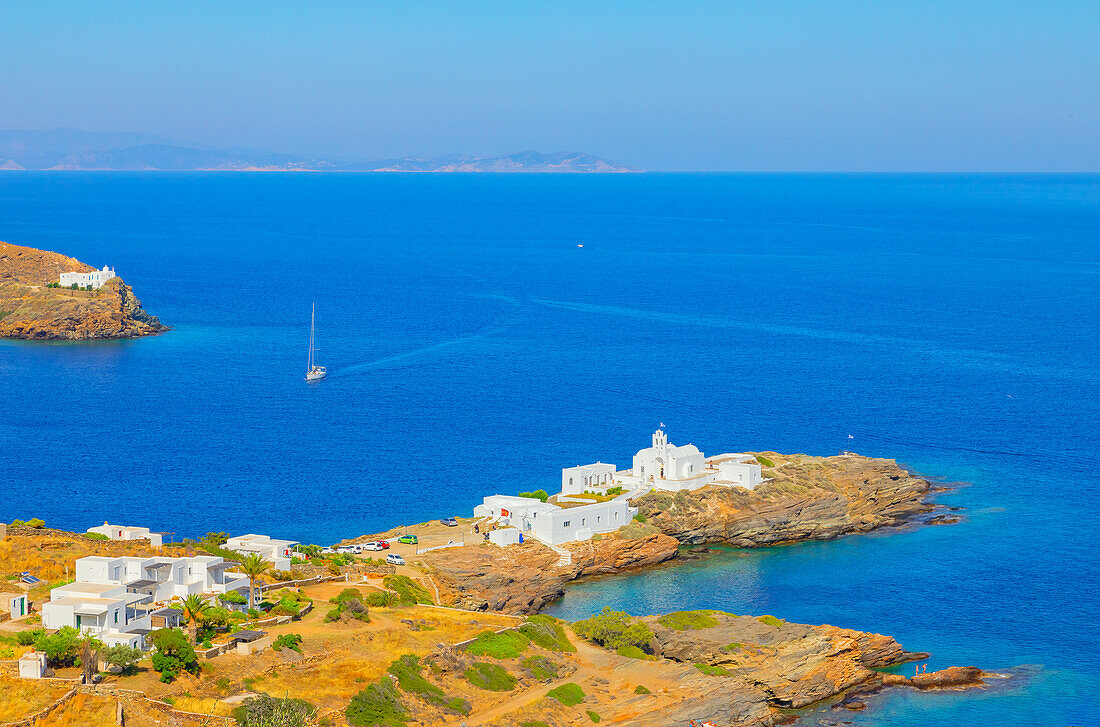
(782,86)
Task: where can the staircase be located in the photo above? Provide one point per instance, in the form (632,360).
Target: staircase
(564,556)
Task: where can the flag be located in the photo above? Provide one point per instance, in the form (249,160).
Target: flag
(662,425)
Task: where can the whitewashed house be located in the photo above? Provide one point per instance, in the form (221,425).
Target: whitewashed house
(665,466)
(14,605)
(95,279)
(128,532)
(279,552)
(595,478)
(108,611)
(556,523)
(32,665)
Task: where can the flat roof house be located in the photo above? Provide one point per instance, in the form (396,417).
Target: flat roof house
(128,532)
(14,605)
(556,523)
(278,552)
(107,611)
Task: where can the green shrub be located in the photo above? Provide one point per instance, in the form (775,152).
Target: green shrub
(345,595)
(333,615)
(542,495)
(122,656)
(641,690)
(233,597)
(288,641)
(630,651)
(732,647)
(764,461)
(381,599)
(409,591)
(96,536)
(613,630)
(492,677)
(28,638)
(636,530)
(174,654)
(407,671)
(569,694)
(593,716)
(377,705)
(688,620)
(540,668)
(714,671)
(771,621)
(534,723)
(61,648)
(547,632)
(267,711)
(284,609)
(36,523)
(505,645)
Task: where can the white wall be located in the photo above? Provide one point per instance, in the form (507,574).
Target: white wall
(592,477)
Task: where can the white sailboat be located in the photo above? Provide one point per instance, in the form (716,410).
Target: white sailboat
(313,372)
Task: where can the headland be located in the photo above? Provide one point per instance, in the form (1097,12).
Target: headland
(39,303)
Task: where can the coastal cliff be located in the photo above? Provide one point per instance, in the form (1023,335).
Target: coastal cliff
(31,310)
(806,498)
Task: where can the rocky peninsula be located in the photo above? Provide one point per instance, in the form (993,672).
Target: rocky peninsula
(31,310)
(805,498)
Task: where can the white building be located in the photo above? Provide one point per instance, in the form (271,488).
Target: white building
(278,552)
(587,477)
(556,523)
(665,466)
(114,597)
(14,605)
(128,532)
(96,278)
(32,665)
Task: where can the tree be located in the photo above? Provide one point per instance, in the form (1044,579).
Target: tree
(253,566)
(122,656)
(62,648)
(194,606)
(174,654)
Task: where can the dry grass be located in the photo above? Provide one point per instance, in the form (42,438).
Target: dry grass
(83,710)
(22,697)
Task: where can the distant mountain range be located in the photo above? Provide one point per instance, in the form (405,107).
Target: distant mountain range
(72,149)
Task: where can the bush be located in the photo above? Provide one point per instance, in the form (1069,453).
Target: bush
(631,652)
(408,591)
(547,632)
(593,716)
(764,461)
(268,711)
(62,648)
(569,694)
(381,599)
(96,536)
(639,518)
(174,654)
(122,656)
(378,704)
(641,690)
(540,668)
(36,522)
(27,638)
(732,647)
(288,641)
(333,615)
(771,621)
(505,645)
(233,597)
(634,530)
(345,595)
(542,495)
(534,723)
(688,620)
(407,670)
(713,671)
(614,630)
(491,677)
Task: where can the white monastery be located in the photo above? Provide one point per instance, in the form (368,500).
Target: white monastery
(128,532)
(96,278)
(571,516)
(113,598)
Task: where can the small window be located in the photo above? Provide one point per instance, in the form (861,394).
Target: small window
(116,617)
(565,524)
(582,521)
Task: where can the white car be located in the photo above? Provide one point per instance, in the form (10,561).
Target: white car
(347,549)
(372,546)
(327,551)
(394,559)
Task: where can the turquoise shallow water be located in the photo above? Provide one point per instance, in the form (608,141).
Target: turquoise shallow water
(947,321)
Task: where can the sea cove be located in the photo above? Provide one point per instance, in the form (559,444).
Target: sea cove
(946,321)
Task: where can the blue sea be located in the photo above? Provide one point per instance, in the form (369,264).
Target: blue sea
(474,346)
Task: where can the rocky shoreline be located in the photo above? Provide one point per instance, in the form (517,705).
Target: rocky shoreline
(31,310)
(807,498)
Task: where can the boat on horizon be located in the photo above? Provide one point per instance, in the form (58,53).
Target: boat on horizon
(313,371)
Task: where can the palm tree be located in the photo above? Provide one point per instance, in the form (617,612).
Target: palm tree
(253,566)
(194,606)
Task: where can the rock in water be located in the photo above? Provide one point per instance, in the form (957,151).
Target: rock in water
(31,310)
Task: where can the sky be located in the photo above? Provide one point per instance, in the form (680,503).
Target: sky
(773,85)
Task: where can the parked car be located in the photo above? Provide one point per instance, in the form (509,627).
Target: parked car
(327,551)
(449,522)
(372,546)
(394,559)
(409,539)
(345,549)
(385,544)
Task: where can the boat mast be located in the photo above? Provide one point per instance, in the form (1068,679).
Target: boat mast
(312,321)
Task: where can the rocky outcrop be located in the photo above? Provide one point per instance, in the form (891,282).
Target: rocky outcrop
(31,310)
(953,677)
(523,578)
(807,498)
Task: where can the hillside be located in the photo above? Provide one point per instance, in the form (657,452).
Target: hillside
(30,310)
